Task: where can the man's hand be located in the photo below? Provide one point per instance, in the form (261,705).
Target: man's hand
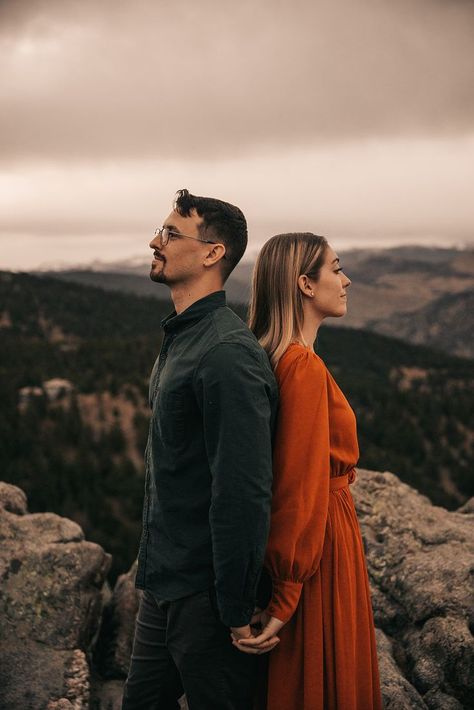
(240,632)
(244,632)
(263,642)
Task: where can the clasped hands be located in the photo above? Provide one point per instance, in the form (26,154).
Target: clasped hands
(259,636)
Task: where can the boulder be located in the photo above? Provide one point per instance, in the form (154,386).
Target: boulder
(397,692)
(115,644)
(420,561)
(468,507)
(52,598)
(107,695)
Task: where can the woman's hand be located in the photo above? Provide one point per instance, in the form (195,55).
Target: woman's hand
(266,640)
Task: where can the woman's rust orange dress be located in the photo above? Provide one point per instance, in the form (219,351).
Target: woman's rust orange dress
(326,658)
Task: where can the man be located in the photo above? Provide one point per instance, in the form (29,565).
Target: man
(208,474)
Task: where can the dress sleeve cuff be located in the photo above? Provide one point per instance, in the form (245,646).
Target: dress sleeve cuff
(285,598)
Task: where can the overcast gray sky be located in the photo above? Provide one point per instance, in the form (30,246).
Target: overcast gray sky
(351,118)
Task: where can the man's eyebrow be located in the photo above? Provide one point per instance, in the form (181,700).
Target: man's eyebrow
(334,260)
(171,227)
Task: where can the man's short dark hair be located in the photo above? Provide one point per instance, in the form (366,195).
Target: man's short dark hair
(221,222)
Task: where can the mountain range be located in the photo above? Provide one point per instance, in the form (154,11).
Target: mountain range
(421,294)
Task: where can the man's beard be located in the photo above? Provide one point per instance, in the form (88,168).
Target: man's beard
(158,275)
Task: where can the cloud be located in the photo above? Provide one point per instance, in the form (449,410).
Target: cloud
(359,193)
(351,118)
(115,80)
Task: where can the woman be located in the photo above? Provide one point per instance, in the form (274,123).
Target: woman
(320,605)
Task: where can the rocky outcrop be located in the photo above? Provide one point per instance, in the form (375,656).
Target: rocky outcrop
(420,561)
(115,645)
(52,595)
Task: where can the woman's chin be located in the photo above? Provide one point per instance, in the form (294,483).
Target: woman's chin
(341,311)
(337,312)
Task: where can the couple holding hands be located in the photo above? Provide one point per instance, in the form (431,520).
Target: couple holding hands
(255,588)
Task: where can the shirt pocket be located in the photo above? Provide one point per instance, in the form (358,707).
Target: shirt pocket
(171,417)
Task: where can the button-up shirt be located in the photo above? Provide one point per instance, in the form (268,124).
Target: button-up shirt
(208,462)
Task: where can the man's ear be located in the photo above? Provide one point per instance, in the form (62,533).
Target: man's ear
(215,254)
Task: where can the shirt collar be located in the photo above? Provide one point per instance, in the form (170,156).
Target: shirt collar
(197,310)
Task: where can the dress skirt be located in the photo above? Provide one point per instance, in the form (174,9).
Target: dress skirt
(327,657)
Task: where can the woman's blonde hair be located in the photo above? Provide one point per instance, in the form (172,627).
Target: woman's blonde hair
(276,305)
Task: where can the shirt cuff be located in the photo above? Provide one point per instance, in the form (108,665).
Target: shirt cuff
(233,614)
(285,599)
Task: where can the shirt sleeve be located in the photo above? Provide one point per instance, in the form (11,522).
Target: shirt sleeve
(301,479)
(234,393)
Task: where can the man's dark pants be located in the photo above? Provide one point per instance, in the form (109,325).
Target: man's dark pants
(182,646)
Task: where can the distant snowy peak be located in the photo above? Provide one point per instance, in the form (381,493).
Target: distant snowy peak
(133,264)
(139,264)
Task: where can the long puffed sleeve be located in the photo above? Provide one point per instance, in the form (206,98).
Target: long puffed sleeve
(301,469)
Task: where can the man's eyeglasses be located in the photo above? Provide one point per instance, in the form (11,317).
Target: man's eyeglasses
(164,234)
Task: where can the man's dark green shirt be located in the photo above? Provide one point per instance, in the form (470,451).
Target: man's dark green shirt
(208,460)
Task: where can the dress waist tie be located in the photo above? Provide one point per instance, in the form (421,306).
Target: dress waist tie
(336,482)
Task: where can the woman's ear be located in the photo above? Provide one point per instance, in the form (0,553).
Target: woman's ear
(305,286)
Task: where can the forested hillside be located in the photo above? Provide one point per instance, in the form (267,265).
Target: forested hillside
(420,294)
(447,323)
(79,453)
